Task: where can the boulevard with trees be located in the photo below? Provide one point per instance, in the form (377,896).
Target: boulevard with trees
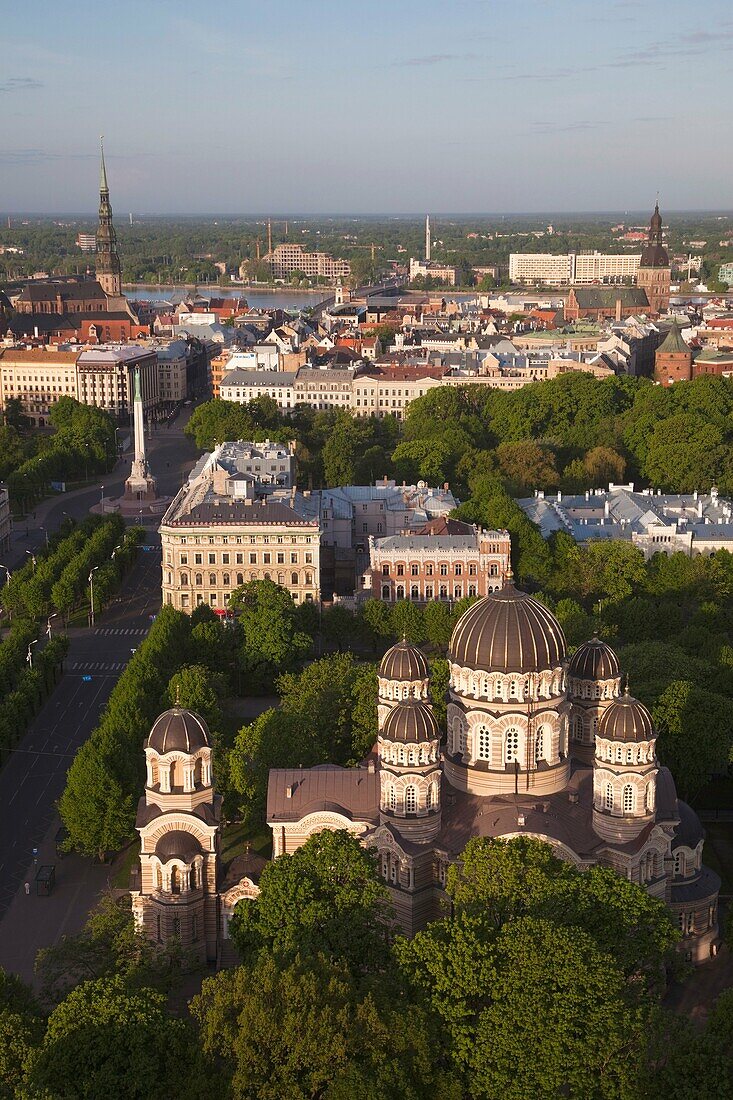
(50,585)
(82,443)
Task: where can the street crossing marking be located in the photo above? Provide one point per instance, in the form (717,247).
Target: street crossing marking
(117,631)
(96,666)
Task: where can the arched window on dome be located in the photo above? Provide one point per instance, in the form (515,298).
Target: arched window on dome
(619,754)
(401,754)
(629,798)
(539,745)
(511,746)
(391,798)
(679,863)
(630,754)
(513,689)
(429,797)
(175,774)
(578,728)
(198,772)
(175,880)
(410,800)
(609,796)
(483,744)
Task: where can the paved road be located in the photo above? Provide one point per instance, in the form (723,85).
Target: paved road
(33,778)
(171,456)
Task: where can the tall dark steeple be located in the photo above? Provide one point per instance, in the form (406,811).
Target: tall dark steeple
(109,272)
(654,273)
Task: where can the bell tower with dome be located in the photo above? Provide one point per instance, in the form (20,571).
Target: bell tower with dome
(178,820)
(594,681)
(625,771)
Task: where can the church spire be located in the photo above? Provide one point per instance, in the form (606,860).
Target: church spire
(103,185)
(109,271)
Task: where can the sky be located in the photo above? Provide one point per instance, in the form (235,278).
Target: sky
(390,106)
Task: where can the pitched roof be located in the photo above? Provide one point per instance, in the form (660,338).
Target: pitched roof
(352,792)
(673,342)
(599,297)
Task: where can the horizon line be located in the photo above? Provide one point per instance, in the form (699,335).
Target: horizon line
(93,214)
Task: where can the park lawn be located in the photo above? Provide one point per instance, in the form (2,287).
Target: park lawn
(236,835)
(124,864)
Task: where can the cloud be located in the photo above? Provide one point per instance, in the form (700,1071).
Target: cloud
(433,59)
(567,127)
(20,84)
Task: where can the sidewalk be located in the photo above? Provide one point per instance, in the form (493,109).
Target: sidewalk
(32,922)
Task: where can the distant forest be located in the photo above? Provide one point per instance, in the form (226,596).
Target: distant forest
(185,249)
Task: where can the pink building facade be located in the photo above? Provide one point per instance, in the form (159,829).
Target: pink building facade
(445,560)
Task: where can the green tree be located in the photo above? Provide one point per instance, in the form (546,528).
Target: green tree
(309,1029)
(21,1030)
(325,898)
(527,465)
(105,1039)
(694,734)
(267,617)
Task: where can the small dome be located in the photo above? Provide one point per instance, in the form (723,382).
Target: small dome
(404,662)
(626,719)
(508,631)
(594,660)
(178,730)
(177,844)
(411,721)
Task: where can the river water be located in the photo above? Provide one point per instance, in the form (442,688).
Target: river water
(260,299)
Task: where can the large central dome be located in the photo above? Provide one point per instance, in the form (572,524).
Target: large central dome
(508,631)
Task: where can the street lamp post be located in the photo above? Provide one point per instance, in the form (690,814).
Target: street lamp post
(48,625)
(102,500)
(32,556)
(92,571)
(29,655)
(45,532)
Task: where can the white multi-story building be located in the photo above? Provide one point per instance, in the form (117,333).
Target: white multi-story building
(687,523)
(215,537)
(600,267)
(255,468)
(241,386)
(582,268)
(540,267)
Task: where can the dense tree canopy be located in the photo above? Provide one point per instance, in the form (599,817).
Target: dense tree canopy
(324,899)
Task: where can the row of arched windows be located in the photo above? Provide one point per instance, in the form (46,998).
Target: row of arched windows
(627,802)
(226,579)
(483,738)
(520,689)
(618,753)
(410,801)
(408,755)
